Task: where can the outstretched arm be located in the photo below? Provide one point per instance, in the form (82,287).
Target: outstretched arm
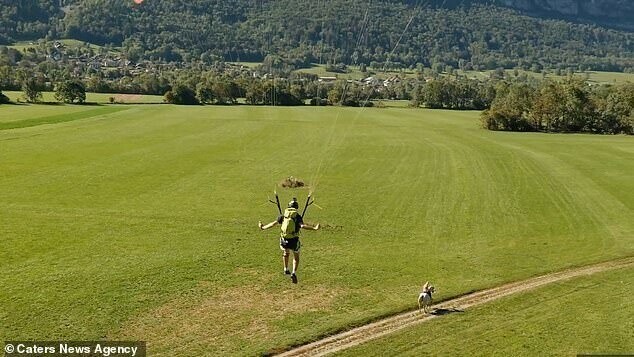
(310,226)
(266,226)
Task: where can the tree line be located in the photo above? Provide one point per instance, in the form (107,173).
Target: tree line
(569,106)
(511,103)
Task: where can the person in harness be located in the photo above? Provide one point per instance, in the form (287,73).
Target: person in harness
(291,222)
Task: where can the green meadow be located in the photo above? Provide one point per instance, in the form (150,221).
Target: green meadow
(24,46)
(589,315)
(320,70)
(139,222)
(100,98)
(353,72)
(593,77)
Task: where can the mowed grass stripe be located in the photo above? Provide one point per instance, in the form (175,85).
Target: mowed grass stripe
(157,151)
(589,193)
(59,118)
(18,112)
(149,218)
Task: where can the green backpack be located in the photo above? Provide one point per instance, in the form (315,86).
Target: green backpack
(289,225)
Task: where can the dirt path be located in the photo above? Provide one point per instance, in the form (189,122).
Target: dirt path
(389,325)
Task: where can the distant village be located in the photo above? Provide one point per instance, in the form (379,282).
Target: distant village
(104,62)
(110,62)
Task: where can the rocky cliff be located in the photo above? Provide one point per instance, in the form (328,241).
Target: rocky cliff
(616,13)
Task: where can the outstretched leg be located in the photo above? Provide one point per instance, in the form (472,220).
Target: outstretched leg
(295,262)
(285,256)
(295,266)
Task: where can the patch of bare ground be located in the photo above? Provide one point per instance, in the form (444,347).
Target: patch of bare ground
(398,322)
(212,319)
(292,182)
(127,98)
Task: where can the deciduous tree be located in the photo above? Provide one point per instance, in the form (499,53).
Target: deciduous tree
(70,91)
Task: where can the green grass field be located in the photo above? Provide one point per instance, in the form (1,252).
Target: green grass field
(591,76)
(141,223)
(23,46)
(590,315)
(320,70)
(247,64)
(353,72)
(101,98)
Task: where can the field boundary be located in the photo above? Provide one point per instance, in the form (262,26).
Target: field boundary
(398,322)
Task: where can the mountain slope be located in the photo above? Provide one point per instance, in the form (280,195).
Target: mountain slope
(460,34)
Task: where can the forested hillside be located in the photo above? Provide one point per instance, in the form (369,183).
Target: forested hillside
(337,31)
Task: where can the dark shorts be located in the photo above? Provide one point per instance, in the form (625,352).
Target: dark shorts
(290,243)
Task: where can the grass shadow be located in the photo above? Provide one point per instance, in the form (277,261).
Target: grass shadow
(86,104)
